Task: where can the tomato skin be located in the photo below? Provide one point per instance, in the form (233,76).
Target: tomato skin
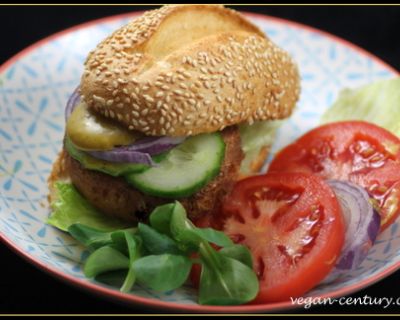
(195,273)
(204,221)
(288,220)
(358,151)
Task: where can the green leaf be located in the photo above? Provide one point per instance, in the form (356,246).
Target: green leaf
(238,252)
(160,218)
(179,221)
(254,137)
(225,281)
(103,260)
(155,242)
(377,102)
(119,239)
(112,278)
(90,237)
(71,208)
(134,254)
(214,236)
(162,272)
(183,230)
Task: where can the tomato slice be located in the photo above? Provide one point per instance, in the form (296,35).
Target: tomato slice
(293,225)
(357,151)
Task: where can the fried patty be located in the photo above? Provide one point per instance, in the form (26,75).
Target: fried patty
(115,197)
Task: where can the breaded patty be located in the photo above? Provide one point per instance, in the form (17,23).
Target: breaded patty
(115,197)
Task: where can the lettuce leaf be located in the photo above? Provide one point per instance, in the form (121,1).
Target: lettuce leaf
(70,208)
(254,137)
(378,102)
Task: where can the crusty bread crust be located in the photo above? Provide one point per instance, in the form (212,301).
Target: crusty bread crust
(185,70)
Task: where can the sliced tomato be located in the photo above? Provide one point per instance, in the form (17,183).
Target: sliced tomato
(357,151)
(292,224)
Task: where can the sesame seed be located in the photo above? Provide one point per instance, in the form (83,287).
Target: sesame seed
(148,98)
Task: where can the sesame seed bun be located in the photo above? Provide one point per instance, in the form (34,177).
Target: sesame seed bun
(186,70)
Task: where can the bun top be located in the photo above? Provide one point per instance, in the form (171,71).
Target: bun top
(185,70)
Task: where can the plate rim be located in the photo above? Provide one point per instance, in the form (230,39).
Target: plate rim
(110,293)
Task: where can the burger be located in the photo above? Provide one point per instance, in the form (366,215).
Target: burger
(176,105)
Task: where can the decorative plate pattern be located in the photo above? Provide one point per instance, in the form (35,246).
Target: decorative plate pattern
(34,87)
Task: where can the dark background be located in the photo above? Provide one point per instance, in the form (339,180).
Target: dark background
(23,288)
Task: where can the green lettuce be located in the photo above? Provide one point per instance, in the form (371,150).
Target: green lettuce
(378,102)
(254,137)
(70,208)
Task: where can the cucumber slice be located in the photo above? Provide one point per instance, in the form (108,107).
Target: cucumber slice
(185,170)
(113,169)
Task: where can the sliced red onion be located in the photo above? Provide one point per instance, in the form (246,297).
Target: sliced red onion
(73,100)
(138,152)
(151,145)
(123,157)
(362,226)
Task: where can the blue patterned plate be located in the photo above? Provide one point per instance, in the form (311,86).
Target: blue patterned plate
(34,87)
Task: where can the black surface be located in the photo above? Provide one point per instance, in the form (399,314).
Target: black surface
(24,289)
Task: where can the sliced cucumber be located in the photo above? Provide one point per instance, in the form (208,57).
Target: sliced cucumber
(185,170)
(113,169)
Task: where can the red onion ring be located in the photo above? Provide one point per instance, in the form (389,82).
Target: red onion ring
(73,100)
(362,226)
(123,157)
